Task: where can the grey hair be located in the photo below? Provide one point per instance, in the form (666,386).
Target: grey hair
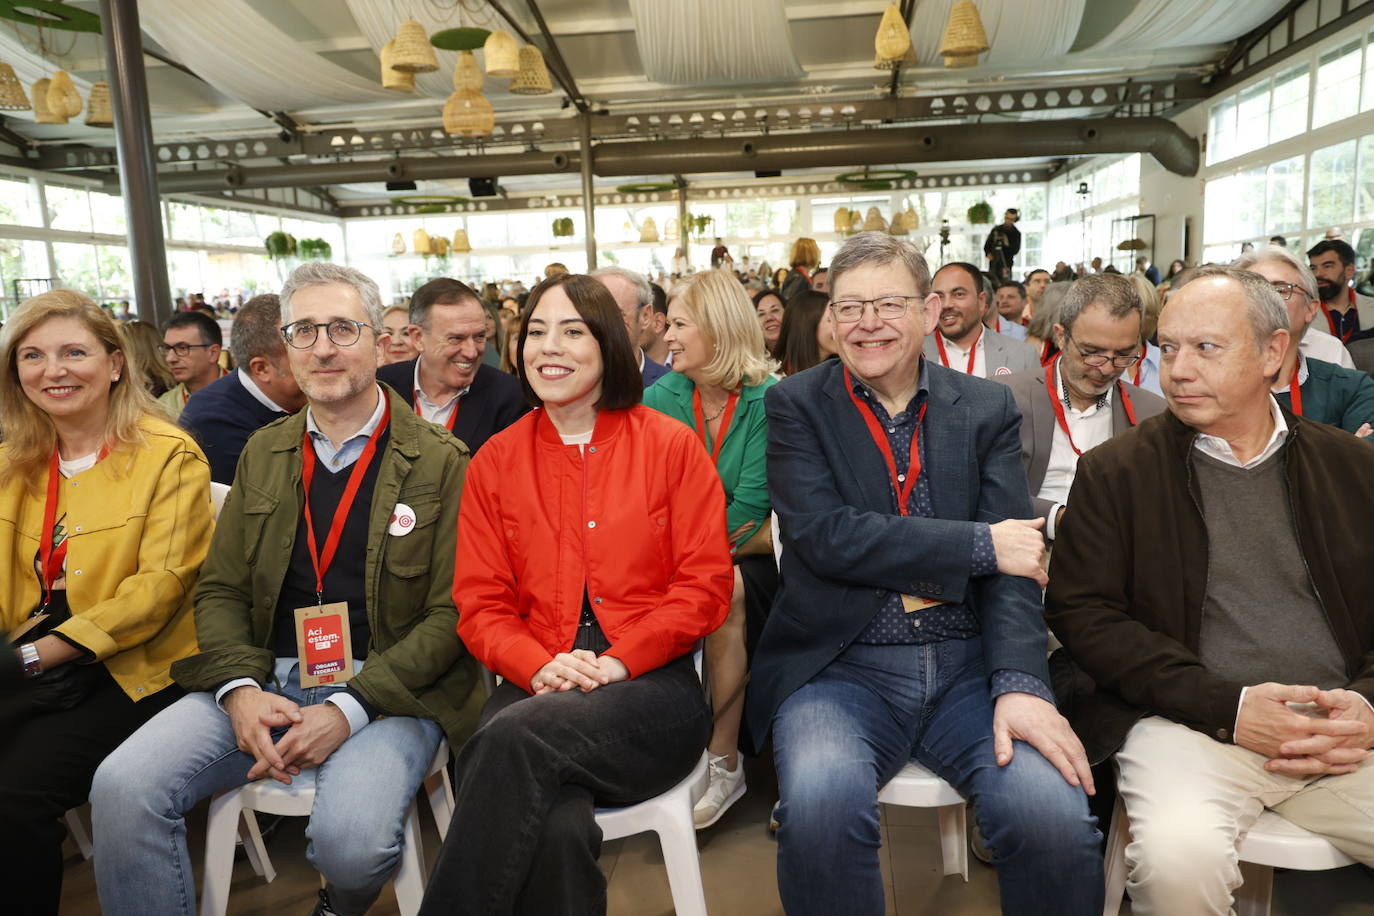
(643,293)
(880,248)
(1273,254)
(1263,303)
(318,273)
(1114,292)
(256,330)
(1047,312)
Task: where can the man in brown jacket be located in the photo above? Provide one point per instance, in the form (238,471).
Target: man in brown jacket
(1217,588)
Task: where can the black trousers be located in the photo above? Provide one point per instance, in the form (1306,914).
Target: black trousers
(46,765)
(524,839)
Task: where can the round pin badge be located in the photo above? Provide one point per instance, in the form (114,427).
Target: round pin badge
(402,520)
(1002,370)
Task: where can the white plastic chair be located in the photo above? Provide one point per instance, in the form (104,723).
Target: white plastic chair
(218,493)
(231,813)
(1272,842)
(917,787)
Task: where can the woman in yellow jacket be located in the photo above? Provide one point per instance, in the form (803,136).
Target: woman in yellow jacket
(105,518)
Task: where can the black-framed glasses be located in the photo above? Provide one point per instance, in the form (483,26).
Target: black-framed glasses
(848,311)
(342,332)
(181,349)
(1286,290)
(1101,359)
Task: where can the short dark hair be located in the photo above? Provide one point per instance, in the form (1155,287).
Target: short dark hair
(1041,270)
(979,281)
(622,385)
(194,318)
(1114,292)
(797,349)
(1020,287)
(1342,249)
(439,291)
(660,298)
(256,330)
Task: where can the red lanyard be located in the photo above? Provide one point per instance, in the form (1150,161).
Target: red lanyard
(452,418)
(998,328)
(972,352)
(1045,357)
(1295,390)
(902,486)
(53,558)
(729,414)
(1053,391)
(1331,319)
(321,562)
(1139,364)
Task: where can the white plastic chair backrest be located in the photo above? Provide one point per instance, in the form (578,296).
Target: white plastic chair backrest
(218,493)
(777,541)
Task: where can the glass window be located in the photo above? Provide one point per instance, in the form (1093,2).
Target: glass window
(1368,96)
(1364,183)
(16,203)
(1252,118)
(1283,196)
(183,222)
(107,211)
(1333,174)
(1338,84)
(1288,110)
(68,208)
(77,268)
(1221,139)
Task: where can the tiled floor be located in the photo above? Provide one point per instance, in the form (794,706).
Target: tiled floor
(738,867)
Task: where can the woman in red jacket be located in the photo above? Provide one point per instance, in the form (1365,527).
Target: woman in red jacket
(584,586)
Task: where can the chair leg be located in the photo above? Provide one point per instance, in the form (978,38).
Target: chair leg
(409,880)
(1118,835)
(1252,897)
(439,791)
(80,836)
(255,848)
(678,837)
(220,829)
(954,839)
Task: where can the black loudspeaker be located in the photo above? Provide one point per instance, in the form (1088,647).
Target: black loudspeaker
(767,173)
(482,187)
(400,186)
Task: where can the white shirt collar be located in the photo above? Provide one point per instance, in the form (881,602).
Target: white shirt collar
(252,388)
(365,432)
(420,392)
(1218,448)
(1302,373)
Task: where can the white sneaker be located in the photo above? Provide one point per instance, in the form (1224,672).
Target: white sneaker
(725,788)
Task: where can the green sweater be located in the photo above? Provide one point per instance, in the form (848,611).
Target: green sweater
(743,465)
(1334,395)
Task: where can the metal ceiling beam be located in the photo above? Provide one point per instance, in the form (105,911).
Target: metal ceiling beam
(1294,44)
(554,59)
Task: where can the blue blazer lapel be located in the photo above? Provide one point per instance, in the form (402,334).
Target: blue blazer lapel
(948,448)
(871,489)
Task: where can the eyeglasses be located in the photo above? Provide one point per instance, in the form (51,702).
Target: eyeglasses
(1286,290)
(180,349)
(1100,359)
(848,311)
(342,332)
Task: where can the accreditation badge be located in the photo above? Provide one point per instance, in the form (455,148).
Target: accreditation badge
(324,645)
(913,603)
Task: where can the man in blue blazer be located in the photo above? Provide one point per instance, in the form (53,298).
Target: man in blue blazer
(909,624)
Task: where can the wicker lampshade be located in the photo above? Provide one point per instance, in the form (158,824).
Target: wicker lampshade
(12,97)
(63,99)
(893,39)
(874,222)
(533,78)
(842,220)
(398,244)
(420,242)
(964,34)
(41,112)
(98,110)
(648,232)
(391,77)
(502,55)
(910,218)
(461,245)
(670,230)
(467,75)
(467,113)
(413,53)
(856,221)
(955,61)
(897,226)
(439,245)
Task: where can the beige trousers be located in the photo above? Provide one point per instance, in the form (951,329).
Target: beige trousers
(1189,799)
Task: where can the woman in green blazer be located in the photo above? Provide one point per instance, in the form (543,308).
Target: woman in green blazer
(720,371)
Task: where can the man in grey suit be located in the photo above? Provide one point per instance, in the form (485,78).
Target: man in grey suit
(963,342)
(908,625)
(1080,400)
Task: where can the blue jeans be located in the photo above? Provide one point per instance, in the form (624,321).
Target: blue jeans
(850,729)
(188,751)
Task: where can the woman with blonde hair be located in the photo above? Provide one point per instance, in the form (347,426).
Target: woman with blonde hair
(105,519)
(805,257)
(720,373)
(143,340)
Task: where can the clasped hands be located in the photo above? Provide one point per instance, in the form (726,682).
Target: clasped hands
(1334,738)
(581,669)
(313,732)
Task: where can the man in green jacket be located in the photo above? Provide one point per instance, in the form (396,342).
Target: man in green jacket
(326,625)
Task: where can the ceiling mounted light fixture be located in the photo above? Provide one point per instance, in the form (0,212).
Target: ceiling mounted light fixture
(99,113)
(501,55)
(893,40)
(12,97)
(412,52)
(533,78)
(398,80)
(467,75)
(965,37)
(63,99)
(42,114)
(467,113)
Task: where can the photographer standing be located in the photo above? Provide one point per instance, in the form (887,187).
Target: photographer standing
(1003,245)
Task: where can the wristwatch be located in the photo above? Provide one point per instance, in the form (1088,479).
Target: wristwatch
(33,664)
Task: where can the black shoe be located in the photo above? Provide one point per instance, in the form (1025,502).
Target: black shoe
(323,906)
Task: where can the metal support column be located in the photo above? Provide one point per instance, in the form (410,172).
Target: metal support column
(683,238)
(588,205)
(137,165)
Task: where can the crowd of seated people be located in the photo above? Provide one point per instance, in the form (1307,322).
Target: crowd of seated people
(848,523)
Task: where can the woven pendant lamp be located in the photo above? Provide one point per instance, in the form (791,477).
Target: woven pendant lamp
(63,98)
(12,97)
(413,53)
(533,78)
(897,226)
(391,77)
(467,75)
(461,245)
(438,246)
(502,55)
(910,218)
(670,230)
(874,222)
(420,242)
(842,220)
(98,110)
(893,39)
(41,112)
(964,36)
(398,244)
(648,232)
(467,113)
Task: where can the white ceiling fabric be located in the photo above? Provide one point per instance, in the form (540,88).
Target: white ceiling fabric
(714,42)
(274,72)
(1182,23)
(378,21)
(1017,30)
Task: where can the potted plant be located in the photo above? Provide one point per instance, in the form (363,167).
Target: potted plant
(280,245)
(314,249)
(563,227)
(980,212)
